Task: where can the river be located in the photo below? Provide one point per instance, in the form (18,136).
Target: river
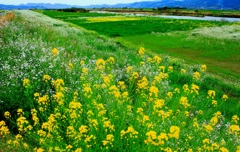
(206,18)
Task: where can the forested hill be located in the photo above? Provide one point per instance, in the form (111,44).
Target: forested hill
(195,4)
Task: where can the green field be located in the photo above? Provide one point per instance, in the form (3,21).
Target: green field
(64,88)
(157,35)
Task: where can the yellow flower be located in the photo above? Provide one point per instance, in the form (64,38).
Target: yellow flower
(206,141)
(170,95)
(70,65)
(183,71)
(223,149)
(143,83)
(184,102)
(234,129)
(157,59)
(135,75)
(174,132)
(235,119)
(110,137)
(38,150)
(196,75)
(69,146)
(162,68)
(224,97)
(195,88)
(85,70)
(82,62)
(159,103)
(78,150)
(110,60)
(46,78)
(203,68)
(87,92)
(141,51)
(214,103)
(7,114)
(215,146)
(3,129)
(54,51)
(100,63)
(168,149)
(153,91)
(26,82)
(208,128)
(170,69)
(129,69)
(83,129)
(211,93)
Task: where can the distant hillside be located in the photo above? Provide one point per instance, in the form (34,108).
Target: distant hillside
(196,4)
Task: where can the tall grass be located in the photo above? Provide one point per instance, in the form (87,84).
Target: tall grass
(63,89)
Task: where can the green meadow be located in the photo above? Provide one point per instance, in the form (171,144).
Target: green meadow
(103,82)
(175,37)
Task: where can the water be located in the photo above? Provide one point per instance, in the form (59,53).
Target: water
(206,18)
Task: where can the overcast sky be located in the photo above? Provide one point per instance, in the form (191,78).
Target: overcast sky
(71,2)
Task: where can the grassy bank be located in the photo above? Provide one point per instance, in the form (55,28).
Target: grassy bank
(66,89)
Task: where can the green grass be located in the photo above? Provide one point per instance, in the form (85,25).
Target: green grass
(66,15)
(92,94)
(221,56)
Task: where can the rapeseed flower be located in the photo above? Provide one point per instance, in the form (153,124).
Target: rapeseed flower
(54,51)
(26,82)
(153,91)
(184,102)
(46,78)
(111,60)
(234,129)
(100,63)
(235,119)
(3,129)
(211,94)
(223,149)
(170,69)
(225,97)
(157,59)
(174,132)
(203,68)
(85,70)
(7,114)
(141,51)
(196,75)
(183,71)
(214,103)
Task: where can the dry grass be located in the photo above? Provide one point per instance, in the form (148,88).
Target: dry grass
(7,17)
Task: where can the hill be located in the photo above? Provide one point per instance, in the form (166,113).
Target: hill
(195,4)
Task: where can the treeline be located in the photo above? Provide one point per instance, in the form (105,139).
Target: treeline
(73,9)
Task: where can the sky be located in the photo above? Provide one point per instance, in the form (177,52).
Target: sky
(71,2)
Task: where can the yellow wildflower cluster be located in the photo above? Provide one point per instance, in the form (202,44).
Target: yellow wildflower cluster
(155,140)
(26,83)
(100,64)
(130,132)
(3,129)
(135,108)
(46,78)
